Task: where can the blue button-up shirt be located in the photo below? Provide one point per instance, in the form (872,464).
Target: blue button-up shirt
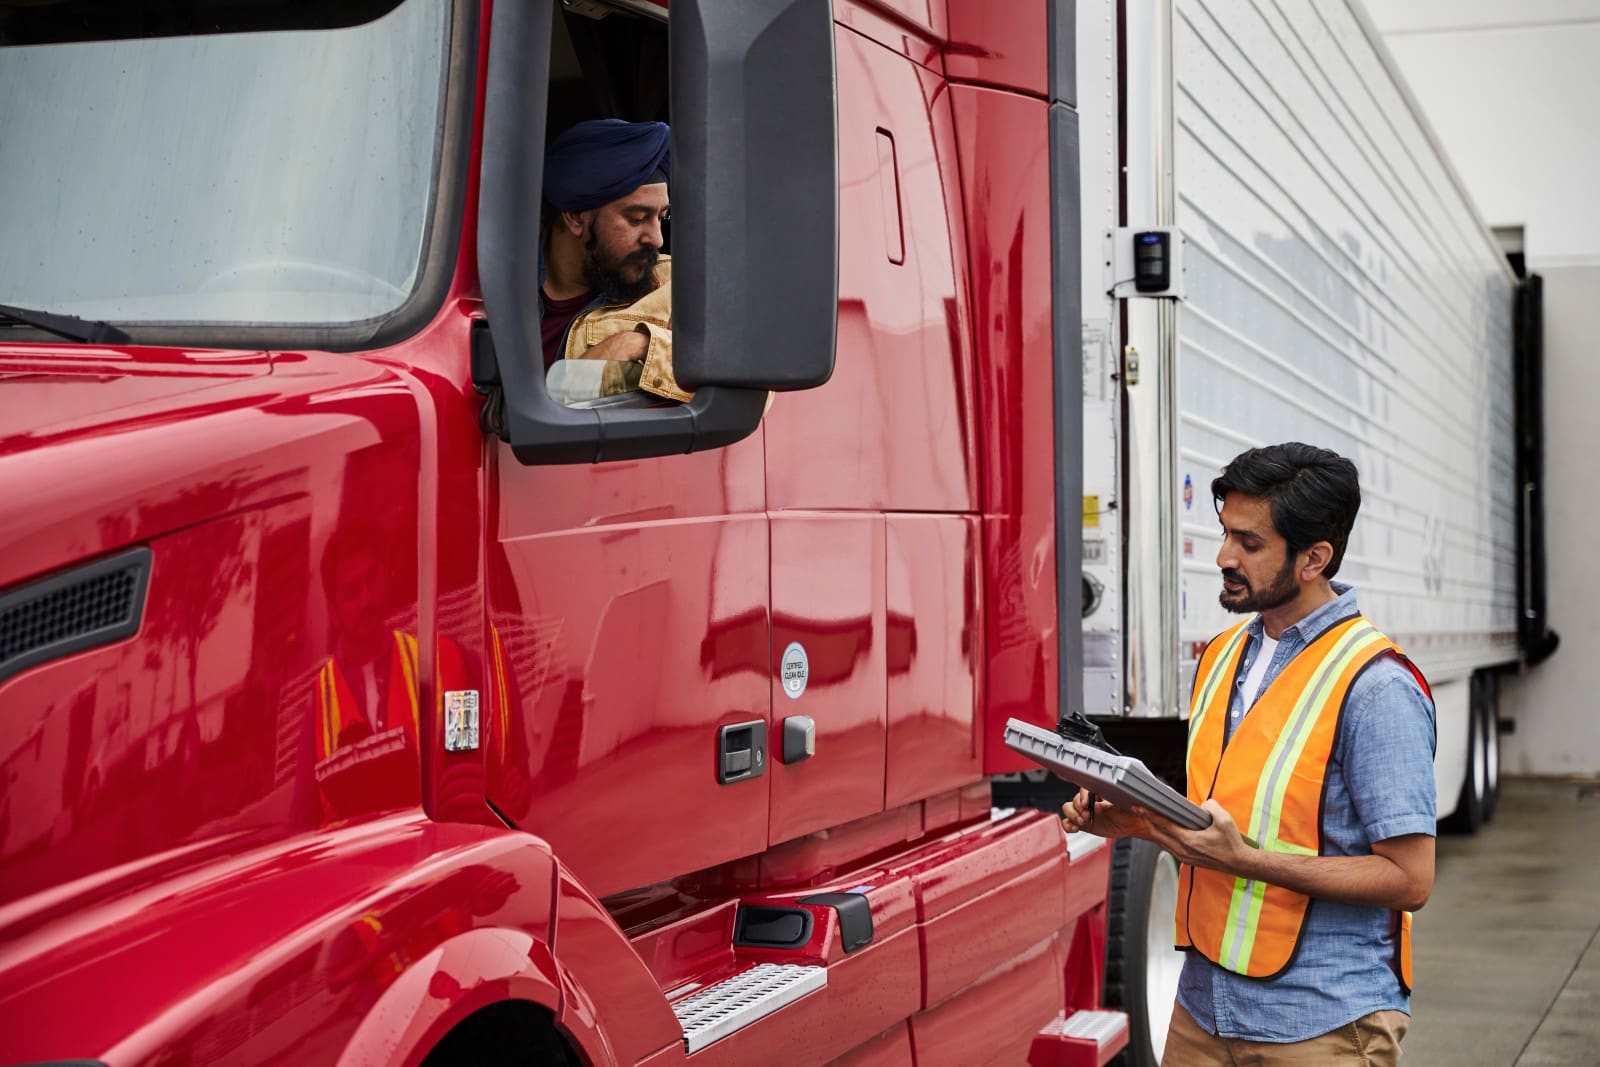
(1379,785)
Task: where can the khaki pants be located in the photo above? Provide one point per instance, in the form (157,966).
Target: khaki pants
(1372,1039)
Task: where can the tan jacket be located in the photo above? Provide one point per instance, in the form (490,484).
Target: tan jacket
(651,314)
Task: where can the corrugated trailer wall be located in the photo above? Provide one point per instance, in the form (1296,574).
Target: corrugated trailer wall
(1340,291)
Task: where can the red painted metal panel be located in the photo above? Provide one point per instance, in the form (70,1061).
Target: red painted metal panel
(607,992)
(820,856)
(697,948)
(1002,45)
(934,628)
(276,954)
(913,28)
(208,722)
(892,1048)
(983,934)
(625,647)
(893,429)
(993,1021)
(1006,169)
(827,596)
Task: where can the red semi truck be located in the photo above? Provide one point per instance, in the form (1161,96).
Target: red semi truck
(363,704)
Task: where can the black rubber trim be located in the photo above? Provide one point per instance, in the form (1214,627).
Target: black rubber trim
(1066,310)
(755,925)
(1063,32)
(441,240)
(133,562)
(855,916)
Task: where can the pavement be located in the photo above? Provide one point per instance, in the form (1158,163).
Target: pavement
(1507,961)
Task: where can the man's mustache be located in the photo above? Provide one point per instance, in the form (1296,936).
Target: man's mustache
(1235,577)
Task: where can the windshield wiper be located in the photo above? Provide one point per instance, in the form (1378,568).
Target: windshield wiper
(69,326)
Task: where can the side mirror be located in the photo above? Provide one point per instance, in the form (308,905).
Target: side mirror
(755,226)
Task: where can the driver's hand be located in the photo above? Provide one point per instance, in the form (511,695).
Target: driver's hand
(623,347)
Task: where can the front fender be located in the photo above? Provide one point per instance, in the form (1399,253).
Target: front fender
(468,972)
(289,951)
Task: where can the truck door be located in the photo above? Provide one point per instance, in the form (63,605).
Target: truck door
(870,478)
(628,615)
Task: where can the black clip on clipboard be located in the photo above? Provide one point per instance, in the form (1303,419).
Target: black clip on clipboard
(1123,780)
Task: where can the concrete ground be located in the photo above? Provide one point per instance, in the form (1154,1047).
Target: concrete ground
(1507,961)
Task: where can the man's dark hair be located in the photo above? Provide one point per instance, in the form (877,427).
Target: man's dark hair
(1314,493)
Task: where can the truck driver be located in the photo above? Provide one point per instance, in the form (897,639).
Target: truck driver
(605,289)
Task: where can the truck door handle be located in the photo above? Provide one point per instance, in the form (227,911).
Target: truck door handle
(741,751)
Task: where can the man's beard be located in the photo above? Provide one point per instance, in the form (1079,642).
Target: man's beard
(606,276)
(1282,590)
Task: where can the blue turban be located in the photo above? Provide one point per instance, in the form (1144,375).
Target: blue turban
(602,160)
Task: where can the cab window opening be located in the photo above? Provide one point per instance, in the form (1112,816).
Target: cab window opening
(605,283)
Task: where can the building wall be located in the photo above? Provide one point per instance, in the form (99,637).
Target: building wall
(1509,87)
(1556,705)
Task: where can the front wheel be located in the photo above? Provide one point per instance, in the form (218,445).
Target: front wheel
(1142,967)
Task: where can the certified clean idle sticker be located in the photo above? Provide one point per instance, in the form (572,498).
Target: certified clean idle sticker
(795,670)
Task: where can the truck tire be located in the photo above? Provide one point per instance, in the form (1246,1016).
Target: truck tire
(1468,818)
(510,1033)
(1141,964)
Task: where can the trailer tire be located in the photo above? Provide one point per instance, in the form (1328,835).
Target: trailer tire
(1489,701)
(1469,816)
(1141,964)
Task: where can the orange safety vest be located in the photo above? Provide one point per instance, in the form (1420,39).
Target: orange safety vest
(1269,777)
(340,714)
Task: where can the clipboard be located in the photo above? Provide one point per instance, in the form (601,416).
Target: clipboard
(1123,780)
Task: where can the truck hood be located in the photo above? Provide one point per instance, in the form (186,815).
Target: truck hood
(217,464)
(49,393)
(103,447)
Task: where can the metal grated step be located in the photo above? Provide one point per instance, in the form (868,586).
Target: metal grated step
(1099,1026)
(732,1004)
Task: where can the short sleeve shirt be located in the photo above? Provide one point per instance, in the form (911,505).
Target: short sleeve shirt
(1379,785)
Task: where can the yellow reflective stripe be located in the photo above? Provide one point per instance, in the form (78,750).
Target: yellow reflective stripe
(408,667)
(1364,638)
(1208,687)
(502,694)
(1266,810)
(330,708)
(1290,847)
(1266,814)
(1243,909)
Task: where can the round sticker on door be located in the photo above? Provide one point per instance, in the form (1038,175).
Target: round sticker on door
(795,670)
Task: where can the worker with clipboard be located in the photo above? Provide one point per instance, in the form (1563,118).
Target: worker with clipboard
(1311,734)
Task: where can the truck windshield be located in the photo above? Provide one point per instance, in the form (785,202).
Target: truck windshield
(273,178)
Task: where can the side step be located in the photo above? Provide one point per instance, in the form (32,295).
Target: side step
(1084,1037)
(734,1003)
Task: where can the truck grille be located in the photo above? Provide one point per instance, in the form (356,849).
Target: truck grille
(87,606)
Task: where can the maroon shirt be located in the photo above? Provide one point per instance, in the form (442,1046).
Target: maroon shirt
(558,315)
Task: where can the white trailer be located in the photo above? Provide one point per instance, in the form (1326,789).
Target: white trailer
(1336,287)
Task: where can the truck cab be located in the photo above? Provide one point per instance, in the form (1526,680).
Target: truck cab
(374,705)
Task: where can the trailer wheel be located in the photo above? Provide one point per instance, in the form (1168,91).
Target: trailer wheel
(1469,815)
(1489,693)
(1141,965)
